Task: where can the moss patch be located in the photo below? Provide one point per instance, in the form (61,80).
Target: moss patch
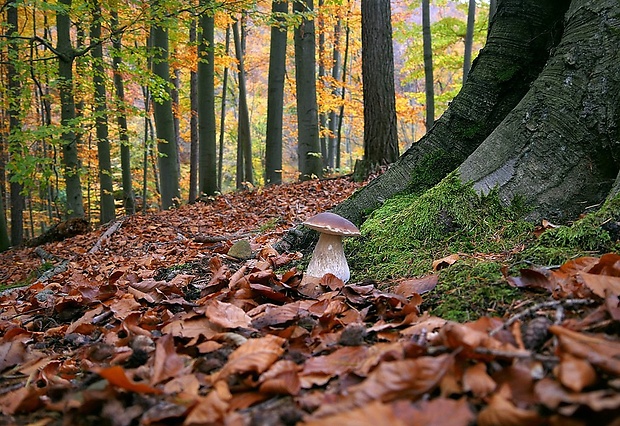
(408,232)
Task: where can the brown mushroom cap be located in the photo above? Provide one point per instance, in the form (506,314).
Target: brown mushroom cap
(331,223)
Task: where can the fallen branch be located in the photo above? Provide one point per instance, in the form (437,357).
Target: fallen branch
(529,311)
(111,230)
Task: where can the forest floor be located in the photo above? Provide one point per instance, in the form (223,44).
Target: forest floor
(150,320)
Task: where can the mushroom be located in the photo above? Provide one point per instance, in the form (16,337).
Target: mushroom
(328,255)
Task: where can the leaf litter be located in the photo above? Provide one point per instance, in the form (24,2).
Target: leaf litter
(155,324)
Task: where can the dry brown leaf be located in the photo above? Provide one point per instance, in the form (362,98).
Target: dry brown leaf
(282,378)
(373,414)
(476,380)
(210,409)
(436,412)
(255,355)
(168,363)
(554,396)
(575,374)
(410,286)
(445,262)
(601,285)
(226,315)
(341,361)
(502,412)
(117,377)
(600,352)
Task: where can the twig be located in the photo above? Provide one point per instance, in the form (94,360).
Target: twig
(112,229)
(534,308)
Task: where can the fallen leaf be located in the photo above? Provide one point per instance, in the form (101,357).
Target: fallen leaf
(476,380)
(410,286)
(226,315)
(117,377)
(502,412)
(255,355)
(168,363)
(445,262)
(575,374)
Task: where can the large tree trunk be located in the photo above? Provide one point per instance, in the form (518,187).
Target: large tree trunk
(207,169)
(164,122)
(106,190)
(129,200)
(559,147)
(70,138)
(380,131)
(308,148)
(522,35)
(275,95)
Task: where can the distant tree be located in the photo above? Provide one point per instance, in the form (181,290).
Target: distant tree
(106,189)
(193,121)
(275,94)
(70,138)
(245,170)
(5,243)
(428,65)
(308,145)
(380,131)
(164,120)
(220,161)
(129,201)
(469,38)
(15,146)
(334,116)
(207,169)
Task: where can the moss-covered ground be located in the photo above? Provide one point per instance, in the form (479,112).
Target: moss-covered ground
(410,231)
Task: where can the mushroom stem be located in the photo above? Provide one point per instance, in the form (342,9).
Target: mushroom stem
(328,257)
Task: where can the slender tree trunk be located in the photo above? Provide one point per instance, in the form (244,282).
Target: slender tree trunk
(129,201)
(15,145)
(380,131)
(343,91)
(492,11)
(308,149)
(334,117)
(106,190)
(164,122)
(469,38)
(193,123)
(321,53)
(428,65)
(4,235)
(207,170)
(174,95)
(275,95)
(223,114)
(498,80)
(70,138)
(244,136)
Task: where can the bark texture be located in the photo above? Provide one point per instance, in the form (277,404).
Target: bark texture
(518,46)
(275,95)
(559,148)
(380,132)
(207,160)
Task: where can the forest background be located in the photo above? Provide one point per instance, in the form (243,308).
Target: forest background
(118,79)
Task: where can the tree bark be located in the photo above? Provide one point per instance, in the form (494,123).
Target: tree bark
(498,79)
(193,123)
(164,122)
(207,170)
(129,199)
(469,38)
(559,149)
(245,138)
(275,94)
(70,138)
(220,161)
(15,145)
(334,116)
(429,82)
(380,131)
(308,148)
(106,189)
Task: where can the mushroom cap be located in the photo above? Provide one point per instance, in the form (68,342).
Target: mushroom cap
(331,223)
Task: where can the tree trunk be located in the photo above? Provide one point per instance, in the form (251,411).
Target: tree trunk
(559,149)
(320,28)
(70,138)
(429,82)
(469,38)
(220,162)
(207,170)
(275,95)
(129,200)
(106,189)
(15,145)
(380,131)
(245,138)
(498,79)
(164,122)
(308,148)
(4,235)
(334,117)
(193,123)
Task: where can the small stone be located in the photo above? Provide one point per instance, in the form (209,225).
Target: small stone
(241,250)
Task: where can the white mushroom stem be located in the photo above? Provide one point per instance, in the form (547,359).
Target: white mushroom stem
(328,258)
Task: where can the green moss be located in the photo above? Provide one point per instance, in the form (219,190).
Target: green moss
(596,233)
(470,289)
(430,170)
(409,232)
